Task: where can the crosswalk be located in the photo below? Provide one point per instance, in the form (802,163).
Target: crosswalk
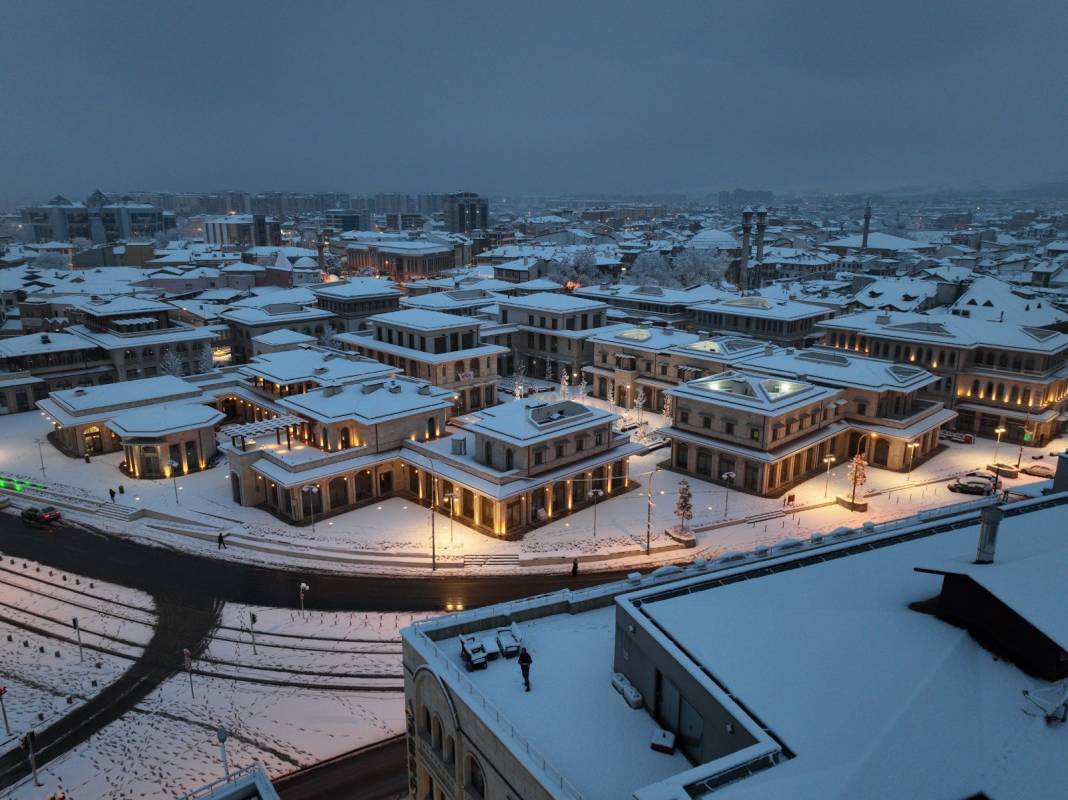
(492,560)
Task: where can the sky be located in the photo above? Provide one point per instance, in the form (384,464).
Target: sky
(540,97)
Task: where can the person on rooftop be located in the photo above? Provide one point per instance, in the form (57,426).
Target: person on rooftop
(524,665)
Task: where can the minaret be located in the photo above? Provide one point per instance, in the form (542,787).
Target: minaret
(743,264)
(761,226)
(320,245)
(867,226)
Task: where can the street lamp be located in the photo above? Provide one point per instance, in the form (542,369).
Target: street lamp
(728,478)
(311,490)
(999,430)
(829,461)
(174,477)
(912,452)
(649,513)
(452,509)
(594,495)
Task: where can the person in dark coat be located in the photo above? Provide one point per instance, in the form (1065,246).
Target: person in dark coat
(112,491)
(524,665)
(574,568)
(222,542)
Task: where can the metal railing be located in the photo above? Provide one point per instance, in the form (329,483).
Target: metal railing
(233,777)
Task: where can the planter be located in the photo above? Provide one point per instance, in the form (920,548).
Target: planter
(852,505)
(685,538)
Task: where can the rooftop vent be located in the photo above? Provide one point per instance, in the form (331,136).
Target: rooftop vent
(330,391)
(882,319)
(990,519)
(79,392)
(46,339)
(424,388)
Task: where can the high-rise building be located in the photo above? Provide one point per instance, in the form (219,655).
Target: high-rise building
(465,212)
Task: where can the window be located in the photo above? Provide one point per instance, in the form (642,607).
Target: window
(728,427)
(559,449)
(598,438)
(862,408)
(706,421)
(682,456)
(539,457)
(684,415)
(509,459)
(475,780)
(754,434)
(580,444)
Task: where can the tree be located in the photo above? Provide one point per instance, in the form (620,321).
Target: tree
(667,407)
(564,381)
(51,261)
(205,360)
(171,364)
(164,238)
(580,269)
(582,389)
(520,373)
(648,269)
(684,504)
(548,370)
(639,404)
(858,474)
(612,393)
(81,243)
(695,267)
(329,339)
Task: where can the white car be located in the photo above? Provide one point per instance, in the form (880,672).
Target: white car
(1039,470)
(984,474)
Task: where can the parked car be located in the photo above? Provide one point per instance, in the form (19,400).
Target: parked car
(1039,470)
(40,516)
(968,485)
(985,474)
(473,653)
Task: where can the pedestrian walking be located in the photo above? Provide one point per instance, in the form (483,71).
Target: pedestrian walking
(574,568)
(112,493)
(222,542)
(524,665)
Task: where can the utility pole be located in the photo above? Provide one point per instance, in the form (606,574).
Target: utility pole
(28,742)
(188,657)
(649,516)
(78,632)
(40,452)
(303,588)
(221,736)
(7,727)
(252,630)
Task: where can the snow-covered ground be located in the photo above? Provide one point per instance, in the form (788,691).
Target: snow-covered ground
(45,676)
(168,745)
(395,535)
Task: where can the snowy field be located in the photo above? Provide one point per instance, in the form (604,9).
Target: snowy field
(168,745)
(395,535)
(45,676)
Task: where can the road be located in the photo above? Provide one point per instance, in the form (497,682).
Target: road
(189,590)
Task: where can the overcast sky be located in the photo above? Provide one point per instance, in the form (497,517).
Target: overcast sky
(534,97)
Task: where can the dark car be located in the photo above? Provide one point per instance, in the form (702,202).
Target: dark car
(40,516)
(972,486)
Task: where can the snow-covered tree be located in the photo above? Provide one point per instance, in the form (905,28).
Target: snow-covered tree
(667,406)
(684,504)
(171,364)
(51,261)
(549,371)
(694,267)
(205,360)
(857,471)
(517,378)
(639,404)
(648,269)
(581,268)
(582,390)
(329,339)
(81,243)
(612,393)
(564,382)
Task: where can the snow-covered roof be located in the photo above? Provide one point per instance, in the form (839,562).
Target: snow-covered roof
(648,338)
(358,288)
(33,343)
(876,241)
(160,420)
(371,401)
(995,300)
(174,334)
(423,320)
(712,239)
(764,308)
(124,304)
(526,422)
(839,368)
(552,302)
(768,395)
(91,402)
(313,364)
(283,336)
(950,329)
(274,313)
(455,299)
(898,294)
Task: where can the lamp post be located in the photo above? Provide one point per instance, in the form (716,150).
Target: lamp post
(311,490)
(649,513)
(912,454)
(829,461)
(728,478)
(595,495)
(999,430)
(451,497)
(174,478)
(1025,436)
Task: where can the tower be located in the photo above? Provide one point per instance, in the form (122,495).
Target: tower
(743,264)
(867,226)
(761,226)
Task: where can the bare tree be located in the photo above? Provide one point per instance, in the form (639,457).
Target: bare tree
(81,243)
(205,360)
(51,261)
(694,267)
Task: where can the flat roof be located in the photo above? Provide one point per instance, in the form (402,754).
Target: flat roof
(160,420)
(769,394)
(370,401)
(424,319)
(525,422)
(553,302)
(312,364)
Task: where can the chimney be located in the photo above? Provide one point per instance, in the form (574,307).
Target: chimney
(743,265)
(867,227)
(761,226)
(990,519)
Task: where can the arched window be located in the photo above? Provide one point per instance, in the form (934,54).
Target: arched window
(431,428)
(424,720)
(990,390)
(1014,395)
(435,733)
(474,779)
(975,388)
(1026,397)
(1003,361)
(1001,392)
(346,439)
(509,459)
(488,453)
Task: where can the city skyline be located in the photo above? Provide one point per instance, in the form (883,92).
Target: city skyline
(502,101)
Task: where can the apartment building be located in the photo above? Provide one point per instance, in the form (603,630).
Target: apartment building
(443,349)
(785,322)
(242,230)
(355,300)
(995,375)
(653,304)
(294,309)
(553,332)
(400,259)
